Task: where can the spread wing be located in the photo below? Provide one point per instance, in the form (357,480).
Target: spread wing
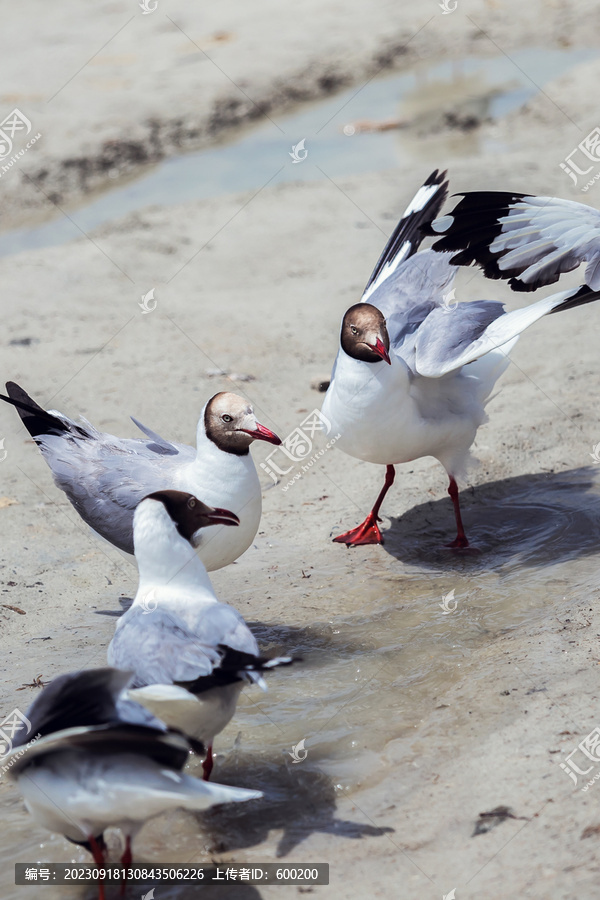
(529,241)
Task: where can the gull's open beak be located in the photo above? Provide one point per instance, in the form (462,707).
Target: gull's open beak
(222,517)
(379,349)
(261,433)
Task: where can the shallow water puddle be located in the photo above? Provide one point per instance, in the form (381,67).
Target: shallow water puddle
(371,677)
(473,89)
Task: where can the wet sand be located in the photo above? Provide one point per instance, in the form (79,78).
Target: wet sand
(415,721)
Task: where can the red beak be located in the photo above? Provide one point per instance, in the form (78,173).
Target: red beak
(263,434)
(222,517)
(380,350)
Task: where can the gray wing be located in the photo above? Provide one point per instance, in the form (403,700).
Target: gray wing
(446,342)
(105,477)
(159,444)
(529,241)
(418,287)
(160,649)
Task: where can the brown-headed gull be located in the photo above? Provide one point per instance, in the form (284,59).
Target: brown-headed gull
(415,368)
(105,477)
(191,654)
(82,768)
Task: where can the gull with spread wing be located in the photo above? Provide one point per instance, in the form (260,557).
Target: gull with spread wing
(415,368)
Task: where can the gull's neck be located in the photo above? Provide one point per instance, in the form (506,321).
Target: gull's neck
(164,557)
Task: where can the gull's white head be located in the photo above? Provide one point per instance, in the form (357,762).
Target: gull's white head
(230,423)
(364,334)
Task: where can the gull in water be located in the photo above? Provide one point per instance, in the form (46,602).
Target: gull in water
(191,654)
(89,769)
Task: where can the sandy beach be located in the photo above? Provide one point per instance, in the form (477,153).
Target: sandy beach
(418,723)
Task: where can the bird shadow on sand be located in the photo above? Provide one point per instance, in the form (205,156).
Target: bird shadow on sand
(299,800)
(529,520)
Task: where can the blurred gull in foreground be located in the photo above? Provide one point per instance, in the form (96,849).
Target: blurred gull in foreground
(89,769)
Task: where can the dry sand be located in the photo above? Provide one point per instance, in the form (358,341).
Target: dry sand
(415,722)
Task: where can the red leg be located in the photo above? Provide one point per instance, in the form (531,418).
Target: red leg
(368,532)
(97,848)
(126,862)
(460,541)
(207,765)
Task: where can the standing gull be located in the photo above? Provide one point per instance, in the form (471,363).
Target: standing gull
(105,477)
(191,655)
(415,368)
(89,769)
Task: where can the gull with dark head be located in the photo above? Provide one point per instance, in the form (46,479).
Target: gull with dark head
(191,655)
(90,769)
(415,368)
(105,477)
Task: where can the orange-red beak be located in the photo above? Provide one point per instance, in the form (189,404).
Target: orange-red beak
(380,350)
(261,433)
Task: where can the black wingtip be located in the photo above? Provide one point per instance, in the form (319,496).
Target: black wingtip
(475,224)
(37,420)
(411,227)
(583,295)
(231,668)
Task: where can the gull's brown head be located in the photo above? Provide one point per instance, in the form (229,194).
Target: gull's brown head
(230,423)
(190,515)
(364,334)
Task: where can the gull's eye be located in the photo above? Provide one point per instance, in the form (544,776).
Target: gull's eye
(191,502)
(227,418)
(353,329)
